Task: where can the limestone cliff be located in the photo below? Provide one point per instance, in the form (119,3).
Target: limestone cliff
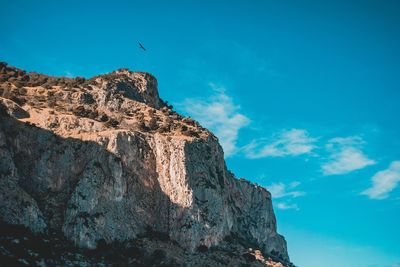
(105,160)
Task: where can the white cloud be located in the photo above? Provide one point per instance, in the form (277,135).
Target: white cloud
(286,193)
(279,190)
(345,156)
(292,142)
(220,115)
(69,74)
(384,182)
(287,206)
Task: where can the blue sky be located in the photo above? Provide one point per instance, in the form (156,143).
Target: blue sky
(304,96)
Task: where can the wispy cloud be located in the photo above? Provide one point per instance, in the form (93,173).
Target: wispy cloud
(287,206)
(286,193)
(345,156)
(383,182)
(279,190)
(69,74)
(219,114)
(292,142)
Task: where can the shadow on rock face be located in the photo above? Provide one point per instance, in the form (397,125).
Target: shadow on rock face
(80,188)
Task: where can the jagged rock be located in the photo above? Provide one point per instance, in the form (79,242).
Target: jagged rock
(89,167)
(13,108)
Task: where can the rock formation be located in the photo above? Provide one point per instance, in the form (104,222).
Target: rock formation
(101,161)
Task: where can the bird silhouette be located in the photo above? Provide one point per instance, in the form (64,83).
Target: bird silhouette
(142,47)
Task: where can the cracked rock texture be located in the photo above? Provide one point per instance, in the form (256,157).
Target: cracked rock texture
(106,160)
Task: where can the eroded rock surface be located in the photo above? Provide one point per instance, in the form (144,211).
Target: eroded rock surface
(106,160)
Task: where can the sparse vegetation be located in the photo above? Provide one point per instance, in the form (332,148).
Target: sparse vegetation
(168,106)
(112,123)
(152,123)
(87,98)
(104,118)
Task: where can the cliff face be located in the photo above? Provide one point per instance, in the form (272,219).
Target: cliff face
(106,160)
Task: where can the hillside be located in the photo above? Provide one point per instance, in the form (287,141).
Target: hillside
(102,171)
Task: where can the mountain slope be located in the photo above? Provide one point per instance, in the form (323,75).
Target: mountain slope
(105,160)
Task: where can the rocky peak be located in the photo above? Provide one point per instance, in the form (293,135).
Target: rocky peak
(101,161)
(139,86)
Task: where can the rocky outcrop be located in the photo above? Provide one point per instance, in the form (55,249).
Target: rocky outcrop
(106,160)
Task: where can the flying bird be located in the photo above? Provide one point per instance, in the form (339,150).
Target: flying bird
(142,47)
